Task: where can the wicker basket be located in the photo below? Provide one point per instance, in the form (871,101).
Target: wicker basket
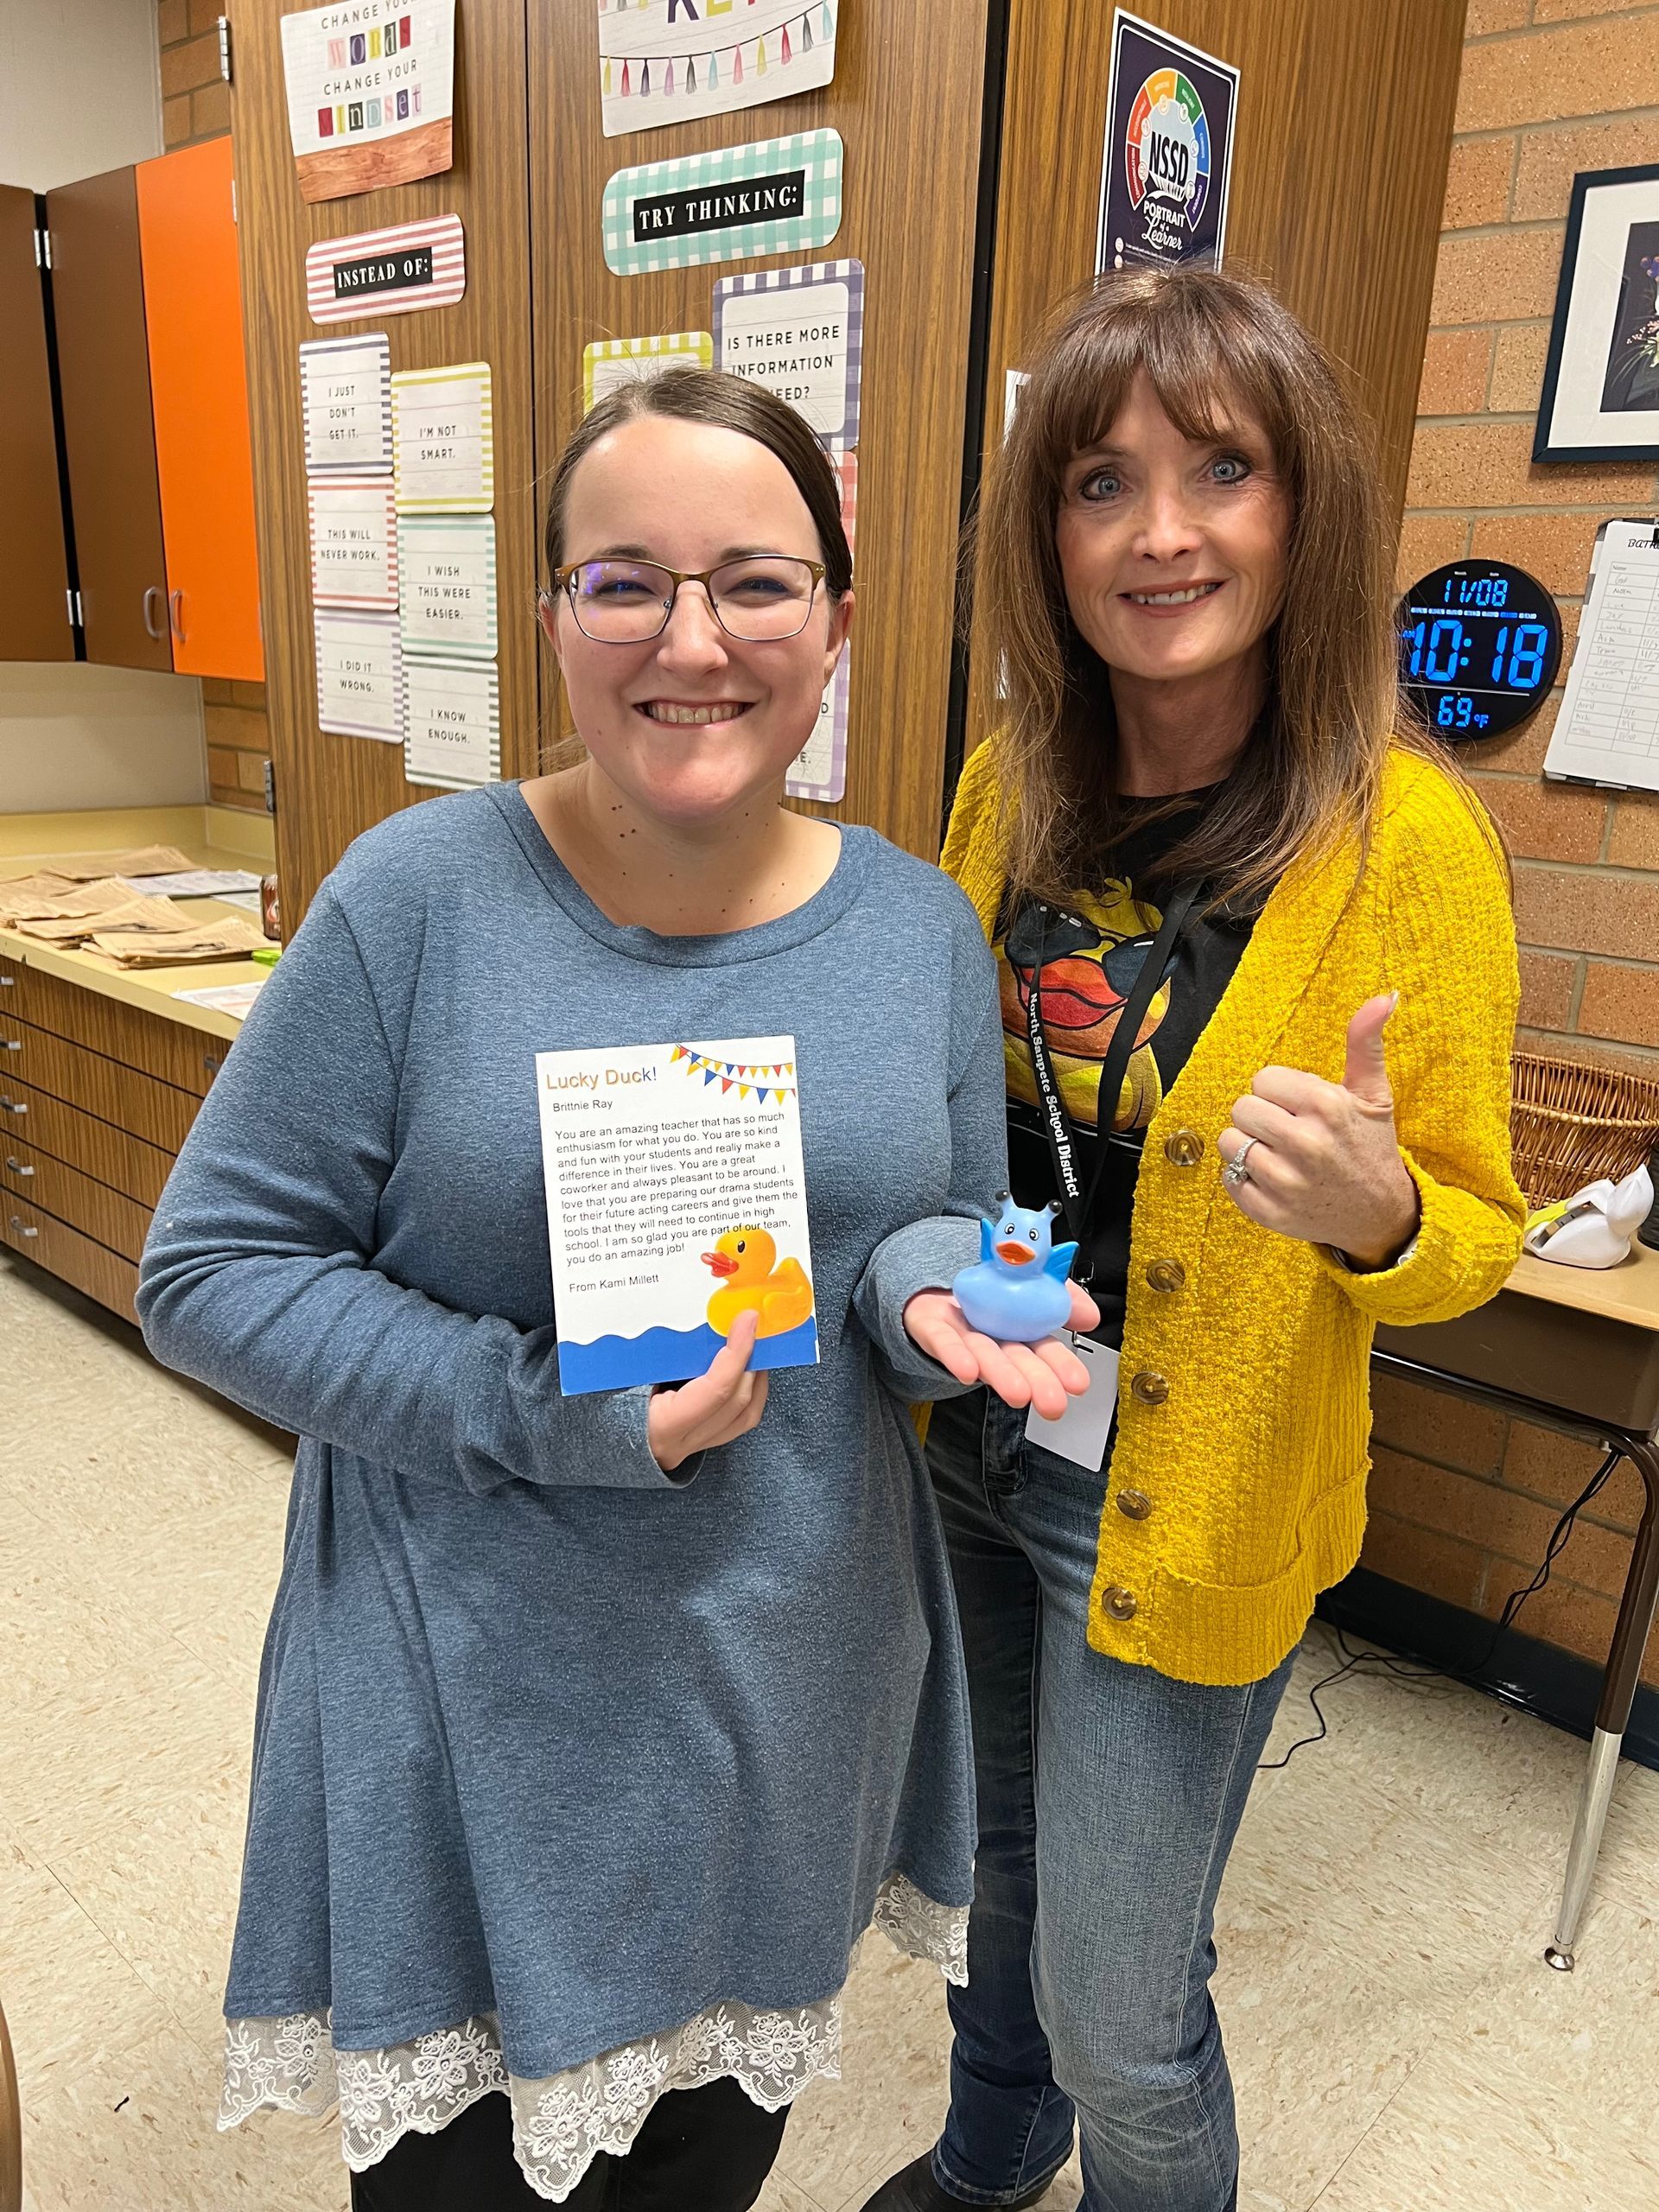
(1570,1124)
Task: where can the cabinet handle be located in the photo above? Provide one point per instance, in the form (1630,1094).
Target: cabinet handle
(22,1231)
(11,1044)
(14,1106)
(175,614)
(8,983)
(153,623)
(17,1166)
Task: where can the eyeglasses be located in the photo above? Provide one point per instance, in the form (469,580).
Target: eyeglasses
(758,601)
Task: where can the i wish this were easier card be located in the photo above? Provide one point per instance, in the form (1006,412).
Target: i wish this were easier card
(676,1203)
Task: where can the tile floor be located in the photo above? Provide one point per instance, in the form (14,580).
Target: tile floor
(1398,2042)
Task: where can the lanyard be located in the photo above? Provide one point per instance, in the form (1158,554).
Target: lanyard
(1076,1203)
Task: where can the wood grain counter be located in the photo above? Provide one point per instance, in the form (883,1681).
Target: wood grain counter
(103,1070)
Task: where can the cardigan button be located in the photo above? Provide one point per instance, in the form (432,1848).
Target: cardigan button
(1182,1149)
(1120,1604)
(1134,1504)
(1150,1388)
(1167,1274)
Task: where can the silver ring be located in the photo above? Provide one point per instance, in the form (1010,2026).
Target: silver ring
(1236,1171)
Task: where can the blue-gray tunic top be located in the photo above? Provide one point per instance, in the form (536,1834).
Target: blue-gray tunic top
(541,1731)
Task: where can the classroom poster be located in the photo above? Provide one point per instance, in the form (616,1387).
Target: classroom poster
(444,439)
(667,61)
(448,599)
(345,398)
(819,771)
(800,332)
(675,1202)
(386,272)
(777,195)
(1168,154)
(359,674)
(452,723)
(353,542)
(371,94)
(608,362)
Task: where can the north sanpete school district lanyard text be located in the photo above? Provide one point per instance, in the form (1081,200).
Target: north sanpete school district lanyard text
(1077,1205)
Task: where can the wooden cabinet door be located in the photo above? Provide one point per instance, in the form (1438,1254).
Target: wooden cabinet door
(103,376)
(34,572)
(199,383)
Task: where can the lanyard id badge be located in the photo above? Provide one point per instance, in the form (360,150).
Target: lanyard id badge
(1083,1430)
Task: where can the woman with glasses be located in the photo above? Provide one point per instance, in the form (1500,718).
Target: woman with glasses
(594,1731)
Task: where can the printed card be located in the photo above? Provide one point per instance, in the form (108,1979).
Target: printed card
(353,542)
(447,565)
(452,723)
(386,272)
(800,332)
(371,94)
(676,1203)
(611,361)
(663,61)
(359,674)
(346,390)
(820,768)
(443,440)
(736,203)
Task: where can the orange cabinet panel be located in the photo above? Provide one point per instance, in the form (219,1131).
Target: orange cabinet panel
(198,383)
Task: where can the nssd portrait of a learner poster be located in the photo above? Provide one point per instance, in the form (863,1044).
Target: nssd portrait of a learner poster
(675,1202)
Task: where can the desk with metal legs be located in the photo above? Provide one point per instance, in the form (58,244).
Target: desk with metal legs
(1575,1350)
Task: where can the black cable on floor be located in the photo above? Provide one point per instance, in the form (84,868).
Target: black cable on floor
(1412,1670)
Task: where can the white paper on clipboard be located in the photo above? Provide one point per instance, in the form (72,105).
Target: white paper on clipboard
(1608,728)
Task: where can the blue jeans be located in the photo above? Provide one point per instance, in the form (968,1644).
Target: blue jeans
(1108,1799)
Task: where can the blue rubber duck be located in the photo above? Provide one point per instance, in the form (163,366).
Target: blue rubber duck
(1017,1292)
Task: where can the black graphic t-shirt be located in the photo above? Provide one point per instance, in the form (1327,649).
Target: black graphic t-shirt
(1092,952)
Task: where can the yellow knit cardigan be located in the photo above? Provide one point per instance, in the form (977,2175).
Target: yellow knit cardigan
(1244,1409)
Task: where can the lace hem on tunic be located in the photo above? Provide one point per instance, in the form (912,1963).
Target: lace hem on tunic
(562,2122)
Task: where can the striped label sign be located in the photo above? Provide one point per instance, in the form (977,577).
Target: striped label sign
(346,384)
(452,724)
(443,440)
(359,674)
(353,542)
(387,272)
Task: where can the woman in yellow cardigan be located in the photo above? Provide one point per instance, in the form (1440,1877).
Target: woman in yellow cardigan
(1264,936)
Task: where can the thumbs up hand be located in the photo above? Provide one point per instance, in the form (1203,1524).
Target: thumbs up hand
(1321,1159)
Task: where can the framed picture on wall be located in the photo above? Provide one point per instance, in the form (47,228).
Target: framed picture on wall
(1601,400)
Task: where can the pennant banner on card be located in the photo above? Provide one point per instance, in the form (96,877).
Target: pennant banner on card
(664,61)
(761,1080)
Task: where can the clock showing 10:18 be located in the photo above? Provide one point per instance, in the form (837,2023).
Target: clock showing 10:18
(1480,645)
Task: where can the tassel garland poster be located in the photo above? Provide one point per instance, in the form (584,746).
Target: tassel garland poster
(663,61)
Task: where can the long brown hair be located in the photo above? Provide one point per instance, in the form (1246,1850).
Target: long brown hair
(1215,346)
(726,403)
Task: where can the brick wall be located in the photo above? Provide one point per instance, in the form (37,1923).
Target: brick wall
(1463,1501)
(196,104)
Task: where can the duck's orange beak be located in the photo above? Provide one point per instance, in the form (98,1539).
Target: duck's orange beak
(722,1262)
(1017,1256)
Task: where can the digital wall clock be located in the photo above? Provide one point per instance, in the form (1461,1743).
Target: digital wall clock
(1480,645)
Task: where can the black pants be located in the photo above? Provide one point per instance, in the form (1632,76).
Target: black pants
(699,2151)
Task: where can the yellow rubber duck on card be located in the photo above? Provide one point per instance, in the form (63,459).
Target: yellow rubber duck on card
(754,1280)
